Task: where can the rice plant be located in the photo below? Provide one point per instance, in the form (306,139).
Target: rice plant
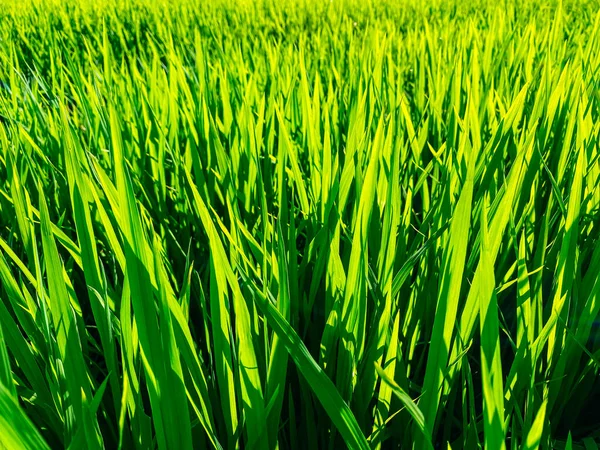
(266,225)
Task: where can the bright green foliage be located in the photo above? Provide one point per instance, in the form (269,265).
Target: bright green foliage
(267,225)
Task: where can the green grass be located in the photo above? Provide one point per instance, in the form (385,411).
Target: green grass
(334,224)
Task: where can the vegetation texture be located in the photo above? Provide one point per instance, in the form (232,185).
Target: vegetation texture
(322,225)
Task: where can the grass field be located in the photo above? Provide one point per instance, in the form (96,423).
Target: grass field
(308,225)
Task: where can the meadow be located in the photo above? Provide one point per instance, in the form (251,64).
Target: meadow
(299,224)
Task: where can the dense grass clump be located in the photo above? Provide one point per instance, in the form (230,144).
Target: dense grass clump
(329,224)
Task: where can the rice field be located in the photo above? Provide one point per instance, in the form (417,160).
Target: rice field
(299,225)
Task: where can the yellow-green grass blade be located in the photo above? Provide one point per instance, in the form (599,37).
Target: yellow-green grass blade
(170,411)
(16,430)
(491,364)
(447,303)
(70,351)
(247,370)
(321,385)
